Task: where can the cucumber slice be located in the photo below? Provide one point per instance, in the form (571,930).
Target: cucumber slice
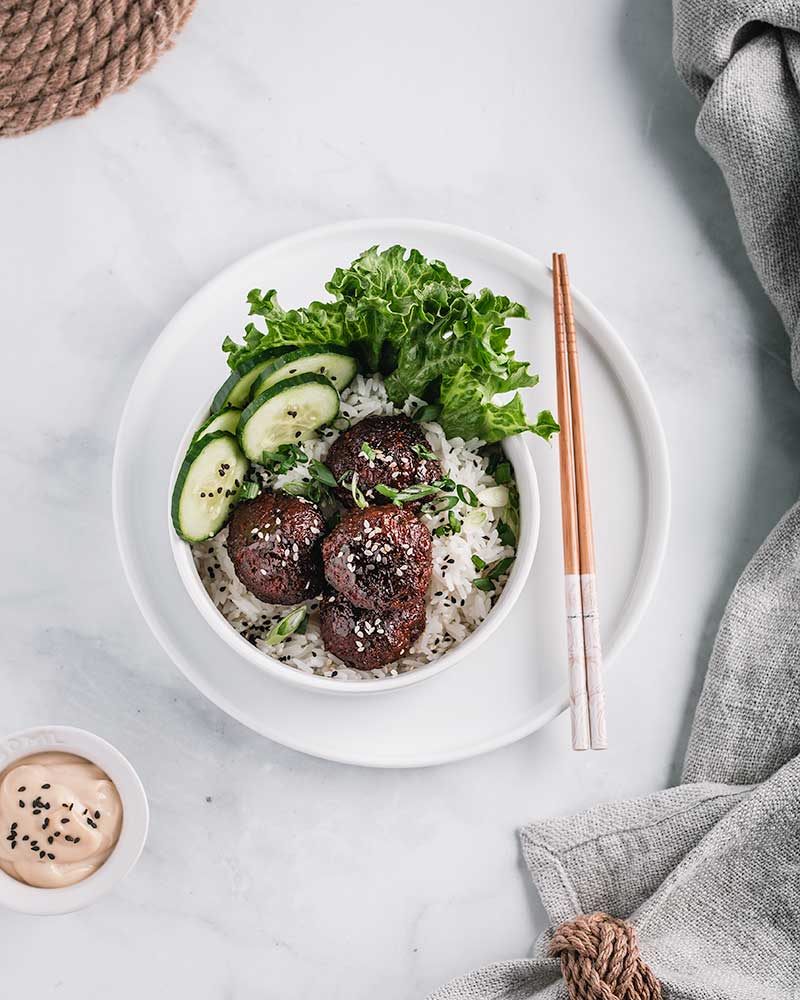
(235,390)
(225,420)
(287,413)
(207,486)
(333,362)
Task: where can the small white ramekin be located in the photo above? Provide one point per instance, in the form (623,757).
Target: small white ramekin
(135,819)
(525,475)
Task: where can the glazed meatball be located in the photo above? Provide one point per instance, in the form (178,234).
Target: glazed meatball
(274,545)
(366,639)
(389,457)
(379,557)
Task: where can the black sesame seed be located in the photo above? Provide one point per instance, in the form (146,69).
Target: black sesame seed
(65,820)
(36,812)
(26,837)
(97,815)
(68,838)
(21,804)
(76,840)
(49,840)
(42,854)
(21,788)
(52,857)
(45,786)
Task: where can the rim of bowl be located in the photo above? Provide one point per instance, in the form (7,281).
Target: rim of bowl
(530,512)
(24,898)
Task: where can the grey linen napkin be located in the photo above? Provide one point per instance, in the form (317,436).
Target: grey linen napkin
(709,872)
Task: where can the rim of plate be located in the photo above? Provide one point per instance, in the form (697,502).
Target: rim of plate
(640,399)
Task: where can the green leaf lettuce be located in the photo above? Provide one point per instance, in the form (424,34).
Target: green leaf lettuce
(421,327)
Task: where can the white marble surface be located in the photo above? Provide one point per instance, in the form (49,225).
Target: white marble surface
(267,873)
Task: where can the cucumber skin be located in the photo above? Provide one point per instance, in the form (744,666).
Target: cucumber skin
(221,399)
(297,354)
(193,453)
(275,390)
(213,416)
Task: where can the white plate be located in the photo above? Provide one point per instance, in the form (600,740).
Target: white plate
(516,682)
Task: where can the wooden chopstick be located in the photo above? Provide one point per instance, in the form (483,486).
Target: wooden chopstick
(593,652)
(576,661)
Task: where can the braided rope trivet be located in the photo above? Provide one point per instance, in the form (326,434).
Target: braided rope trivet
(600,960)
(60,58)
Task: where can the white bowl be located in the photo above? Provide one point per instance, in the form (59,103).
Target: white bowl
(517,453)
(135,819)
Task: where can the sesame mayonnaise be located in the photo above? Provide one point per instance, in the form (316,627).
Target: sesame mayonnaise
(60,818)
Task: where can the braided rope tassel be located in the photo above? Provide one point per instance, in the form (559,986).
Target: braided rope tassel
(600,960)
(60,58)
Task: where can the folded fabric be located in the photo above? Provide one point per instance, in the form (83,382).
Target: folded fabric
(708,872)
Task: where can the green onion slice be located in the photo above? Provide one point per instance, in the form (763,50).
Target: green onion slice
(294,622)
(423,452)
(322,473)
(467,496)
(499,568)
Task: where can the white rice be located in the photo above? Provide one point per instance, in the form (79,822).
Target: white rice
(455,607)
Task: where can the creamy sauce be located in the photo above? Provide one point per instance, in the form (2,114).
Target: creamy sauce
(60,818)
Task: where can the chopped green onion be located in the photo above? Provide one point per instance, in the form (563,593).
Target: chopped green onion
(352,485)
(422,451)
(369,451)
(477,562)
(506,533)
(481,583)
(283,459)
(322,473)
(446,485)
(476,517)
(415,492)
(439,505)
(502,474)
(494,496)
(443,529)
(249,491)
(428,413)
(294,622)
(500,568)
(342,423)
(295,489)
(453,521)
(466,495)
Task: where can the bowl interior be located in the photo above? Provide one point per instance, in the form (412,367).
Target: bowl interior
(518,454)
